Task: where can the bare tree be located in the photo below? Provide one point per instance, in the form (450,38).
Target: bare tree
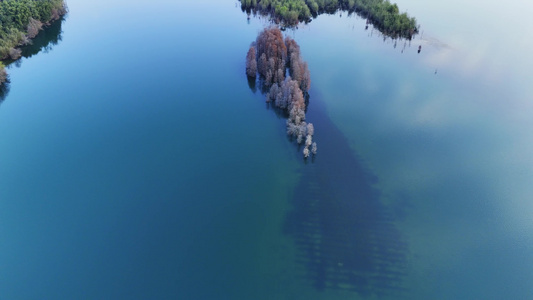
(310,129)
(305,81)
(308,141)
(292,129)
(306,152)
(34,26)
(270,56)
(251,62)
(15,53)
(262,65)
(270,43)
(298,68)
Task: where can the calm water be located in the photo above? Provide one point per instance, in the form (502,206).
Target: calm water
(135,162)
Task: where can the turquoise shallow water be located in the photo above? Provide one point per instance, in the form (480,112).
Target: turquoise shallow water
(136,163)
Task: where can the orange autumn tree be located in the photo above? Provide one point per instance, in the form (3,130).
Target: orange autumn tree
(272,55)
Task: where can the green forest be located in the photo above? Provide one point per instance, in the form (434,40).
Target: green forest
(384,15)
(20,21)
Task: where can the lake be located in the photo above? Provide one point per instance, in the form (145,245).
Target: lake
(137,163)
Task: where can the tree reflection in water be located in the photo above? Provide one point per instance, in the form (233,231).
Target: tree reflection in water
(47,38)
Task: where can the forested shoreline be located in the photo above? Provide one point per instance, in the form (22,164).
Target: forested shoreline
(21,21)
(270,56)
(385,16)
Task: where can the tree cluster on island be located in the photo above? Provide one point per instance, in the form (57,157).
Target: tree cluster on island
(21,21)
(385,16)
(269,57)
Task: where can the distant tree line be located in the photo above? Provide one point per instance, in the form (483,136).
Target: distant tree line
(269,57)
(21,21)
(288,11)
(385,16)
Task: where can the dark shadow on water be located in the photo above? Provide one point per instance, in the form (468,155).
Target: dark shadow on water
(47,38)
(252,84)
(4,90)
(345,236)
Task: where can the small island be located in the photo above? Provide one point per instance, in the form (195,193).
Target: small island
(385,16)
(20,22)
(270,56)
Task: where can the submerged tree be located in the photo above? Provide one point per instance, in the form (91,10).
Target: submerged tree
(251,62)
(273,55)
(297,66)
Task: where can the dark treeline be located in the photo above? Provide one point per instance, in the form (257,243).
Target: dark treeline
(21,21)
(270,56)
(289,12)
(385,16)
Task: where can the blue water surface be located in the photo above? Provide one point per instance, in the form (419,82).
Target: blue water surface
(136,163)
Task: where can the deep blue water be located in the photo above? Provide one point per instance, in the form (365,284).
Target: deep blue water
(136,163)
